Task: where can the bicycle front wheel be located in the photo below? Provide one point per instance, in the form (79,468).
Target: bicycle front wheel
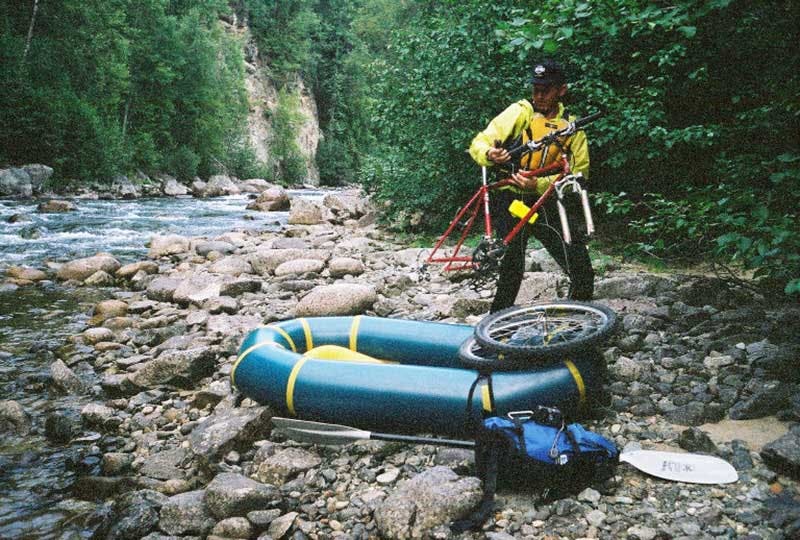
(545,331)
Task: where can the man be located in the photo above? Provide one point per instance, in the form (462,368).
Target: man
(521,122)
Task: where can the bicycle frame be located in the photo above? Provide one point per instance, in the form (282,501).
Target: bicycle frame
(481,199)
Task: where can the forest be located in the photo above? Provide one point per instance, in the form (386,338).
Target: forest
(696,158)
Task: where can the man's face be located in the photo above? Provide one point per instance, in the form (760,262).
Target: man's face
(546,97)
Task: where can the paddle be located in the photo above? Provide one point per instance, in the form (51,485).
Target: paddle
(679,467)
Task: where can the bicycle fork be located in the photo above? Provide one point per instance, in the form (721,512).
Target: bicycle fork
(562,211)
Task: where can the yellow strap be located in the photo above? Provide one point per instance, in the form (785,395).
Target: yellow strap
(285,336)
(307,332)
(573,369)
(486,398)
(290,384)
(245,353)
(354,333)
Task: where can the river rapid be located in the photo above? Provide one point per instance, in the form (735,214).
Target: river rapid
(36,474)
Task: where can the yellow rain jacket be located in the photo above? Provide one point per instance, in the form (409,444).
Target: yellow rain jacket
(520,119)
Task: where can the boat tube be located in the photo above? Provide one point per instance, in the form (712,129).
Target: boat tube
(377,373)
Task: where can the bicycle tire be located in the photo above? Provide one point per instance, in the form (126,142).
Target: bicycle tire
(545,331)
(473,355)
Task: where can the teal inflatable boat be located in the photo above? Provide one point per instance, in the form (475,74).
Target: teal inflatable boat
(377,373)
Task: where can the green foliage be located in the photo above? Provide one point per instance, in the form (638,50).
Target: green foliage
(440,79)
(111,86)
(339,86)
(693,122)
(287,161)
(283,30)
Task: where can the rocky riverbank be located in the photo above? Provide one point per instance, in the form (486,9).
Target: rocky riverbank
(31,180)
(166,448)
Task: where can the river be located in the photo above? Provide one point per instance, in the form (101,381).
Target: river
(35,322)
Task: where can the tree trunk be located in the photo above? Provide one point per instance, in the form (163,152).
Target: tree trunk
(30,30)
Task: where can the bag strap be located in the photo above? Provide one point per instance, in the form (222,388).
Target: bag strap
(487,452)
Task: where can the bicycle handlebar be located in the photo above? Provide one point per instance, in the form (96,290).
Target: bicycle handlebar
(548,139)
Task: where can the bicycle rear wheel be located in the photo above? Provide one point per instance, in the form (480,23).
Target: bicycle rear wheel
(545,331)
(475,356)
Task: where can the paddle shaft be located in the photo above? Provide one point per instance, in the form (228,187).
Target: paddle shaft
(420,440)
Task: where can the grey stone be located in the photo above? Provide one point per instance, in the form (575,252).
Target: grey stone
(231,265)
(783,454)
(769,398)
(691,414)
(171,187)
(232,494)
(219,185)
(234,527)
(337,299)
(272,199)
(80,269)
(286,464)
(342,266)
(65,379)
(186,513)
(133,515)
(299,267)
(304,212)
(166,465)
(695,440)
(175,367)
(13,418)
(196,289)
(162,289)
(432,498)
(281,525)
(228,430)
(240,286)
(204,248)
(166,245)
(56,207)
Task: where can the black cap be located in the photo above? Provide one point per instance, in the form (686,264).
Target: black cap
(548,72)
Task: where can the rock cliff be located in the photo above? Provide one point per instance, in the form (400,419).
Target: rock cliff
(262,98)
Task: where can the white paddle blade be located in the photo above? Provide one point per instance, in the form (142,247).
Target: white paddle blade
(689,468)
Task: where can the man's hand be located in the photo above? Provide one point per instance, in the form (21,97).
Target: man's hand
(523,182)
(498,155)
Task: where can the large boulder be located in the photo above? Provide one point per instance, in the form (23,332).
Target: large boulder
(270,200)
(197,289)
(23,181)
(186,514)
(346,204)
(254,185)
(337,299)
(25,273)
(229,429)
(219,185)
(171,187)
(783,454)
(55,207)
(285,465)
(13,418)
(81,269)
(39,174)
(165,245)
(175,367)
(304,212)
(232,266)
(430,500)
(122,187)
(231,494)
(265,261)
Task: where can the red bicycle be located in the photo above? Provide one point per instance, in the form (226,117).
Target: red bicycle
(485,259)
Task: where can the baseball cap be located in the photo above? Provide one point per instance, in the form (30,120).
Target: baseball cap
(548,72)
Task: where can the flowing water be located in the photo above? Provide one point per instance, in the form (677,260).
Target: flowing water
(35,474)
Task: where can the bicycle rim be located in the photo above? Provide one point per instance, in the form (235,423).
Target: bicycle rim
(545,330)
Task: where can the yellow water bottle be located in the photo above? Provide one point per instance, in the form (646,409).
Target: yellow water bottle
(519,210)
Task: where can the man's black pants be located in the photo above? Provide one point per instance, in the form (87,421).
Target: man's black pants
(572,258)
